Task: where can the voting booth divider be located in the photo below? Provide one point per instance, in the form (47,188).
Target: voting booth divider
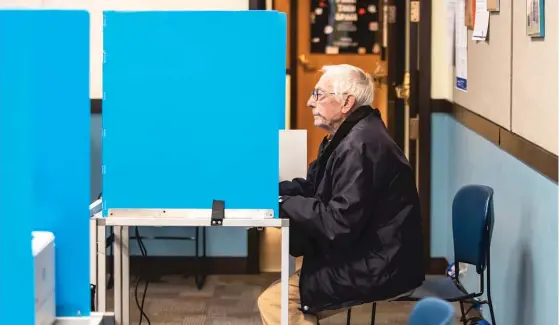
(193,106)
(44,156)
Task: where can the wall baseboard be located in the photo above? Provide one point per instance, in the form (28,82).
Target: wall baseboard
(437,266)
(156,266)
(187,265)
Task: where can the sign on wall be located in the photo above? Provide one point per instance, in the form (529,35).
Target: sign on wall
(345,26)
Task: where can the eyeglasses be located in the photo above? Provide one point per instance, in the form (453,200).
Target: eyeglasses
(318,92)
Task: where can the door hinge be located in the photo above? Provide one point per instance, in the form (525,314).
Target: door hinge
(414,128)
(414,11)
(403,90)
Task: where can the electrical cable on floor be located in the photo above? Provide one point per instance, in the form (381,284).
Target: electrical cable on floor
(144,252)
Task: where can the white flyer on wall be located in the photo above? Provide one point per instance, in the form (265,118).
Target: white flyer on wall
(450,16)
(461,46)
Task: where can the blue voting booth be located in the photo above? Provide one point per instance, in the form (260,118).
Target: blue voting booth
(193,104)
(44,157)
(192,108)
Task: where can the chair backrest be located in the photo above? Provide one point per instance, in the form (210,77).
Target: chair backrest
(432,311)
(472,225)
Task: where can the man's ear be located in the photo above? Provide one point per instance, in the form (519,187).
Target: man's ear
(349,102)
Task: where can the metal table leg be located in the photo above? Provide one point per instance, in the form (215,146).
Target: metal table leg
(285,273)
(201,271)
(125,276)
(117,257)
(93,238)
(101,269)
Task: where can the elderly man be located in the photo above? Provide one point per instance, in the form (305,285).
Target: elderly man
(355,219)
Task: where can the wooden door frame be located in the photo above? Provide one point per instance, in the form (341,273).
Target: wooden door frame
(420,104)
(422,100)
(435,265)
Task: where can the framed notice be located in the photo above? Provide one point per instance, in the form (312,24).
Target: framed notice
(535,18)
(345,26)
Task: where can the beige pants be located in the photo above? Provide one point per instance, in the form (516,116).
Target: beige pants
(269,304)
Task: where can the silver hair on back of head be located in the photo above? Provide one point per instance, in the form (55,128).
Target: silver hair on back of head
(350,80)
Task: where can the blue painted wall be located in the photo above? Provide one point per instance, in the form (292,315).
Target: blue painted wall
(524,248)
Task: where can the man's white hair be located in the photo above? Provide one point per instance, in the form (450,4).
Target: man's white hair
(350,80)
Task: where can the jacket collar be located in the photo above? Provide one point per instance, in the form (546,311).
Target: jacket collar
(328,147)
(346,126)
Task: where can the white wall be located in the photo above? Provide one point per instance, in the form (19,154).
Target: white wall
(442,69)
(96,8)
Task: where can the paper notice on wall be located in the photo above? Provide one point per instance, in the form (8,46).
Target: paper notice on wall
(493,5)
(450,16)
(461,45)
(481,24)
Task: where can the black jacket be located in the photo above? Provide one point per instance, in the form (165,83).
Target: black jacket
(355,219)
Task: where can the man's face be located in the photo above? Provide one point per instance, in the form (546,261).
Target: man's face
(327,111)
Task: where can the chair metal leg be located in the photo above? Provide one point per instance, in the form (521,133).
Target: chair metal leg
(489,300)
(348,322)
(463,318)
(490,303)
(373,313)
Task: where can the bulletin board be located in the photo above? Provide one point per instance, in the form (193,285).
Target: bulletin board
(535,74)
(513,78)
(489,71)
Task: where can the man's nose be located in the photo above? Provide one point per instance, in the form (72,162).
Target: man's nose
(310,102)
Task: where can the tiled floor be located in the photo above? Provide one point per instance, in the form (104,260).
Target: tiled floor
(231,300)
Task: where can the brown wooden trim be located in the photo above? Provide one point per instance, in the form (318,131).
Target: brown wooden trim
(253,251)
(293,62)
(529,153)
(476,123)
(537,158)
(424,113)
(396,56)
(96,105)
(257,5)
(441,106)
(437,265)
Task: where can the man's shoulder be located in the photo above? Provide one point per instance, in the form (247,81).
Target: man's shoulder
(370,136)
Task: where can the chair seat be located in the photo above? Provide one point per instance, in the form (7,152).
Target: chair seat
(440,287)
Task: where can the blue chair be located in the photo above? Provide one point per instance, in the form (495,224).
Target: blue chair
(472,229)
(432,311)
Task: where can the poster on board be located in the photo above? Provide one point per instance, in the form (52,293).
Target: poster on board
(344,27)
(535,18)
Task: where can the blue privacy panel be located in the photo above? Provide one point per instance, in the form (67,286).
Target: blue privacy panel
(54,77)
(17,303)
(62,141)
(193,104)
